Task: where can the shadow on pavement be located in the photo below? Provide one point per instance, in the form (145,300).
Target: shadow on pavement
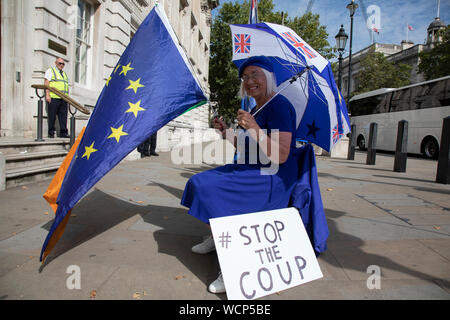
(176,232)
(173,229)
(403,178)
(351,246)
(189,172)
(96,213)
(367,167)
(418,188)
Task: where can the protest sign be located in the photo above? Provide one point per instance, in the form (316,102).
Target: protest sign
(264,252)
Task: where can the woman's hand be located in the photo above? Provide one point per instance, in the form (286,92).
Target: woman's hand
(220,125)
(246,120)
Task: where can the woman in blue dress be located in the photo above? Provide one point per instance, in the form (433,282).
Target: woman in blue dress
(254,182)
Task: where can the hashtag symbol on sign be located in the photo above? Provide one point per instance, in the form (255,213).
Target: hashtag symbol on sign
(225,239)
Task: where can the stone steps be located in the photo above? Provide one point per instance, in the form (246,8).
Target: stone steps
(30,159)
(27,161)
(16,146)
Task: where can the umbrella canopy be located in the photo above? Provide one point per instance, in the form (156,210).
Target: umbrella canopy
(303,76)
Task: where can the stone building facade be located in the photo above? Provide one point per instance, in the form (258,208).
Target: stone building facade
(406,52)
(90,35)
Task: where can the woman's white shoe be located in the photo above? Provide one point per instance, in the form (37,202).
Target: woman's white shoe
(218,286)
(205,247)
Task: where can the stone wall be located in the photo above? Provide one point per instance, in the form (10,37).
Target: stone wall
(35,32)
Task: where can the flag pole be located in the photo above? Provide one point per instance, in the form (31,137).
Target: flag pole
(439,7)
(407,32)
(252,18)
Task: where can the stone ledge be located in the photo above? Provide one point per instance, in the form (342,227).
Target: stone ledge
(20,172)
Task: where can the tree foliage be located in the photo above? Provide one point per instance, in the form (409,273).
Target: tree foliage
(223,74)
(435,63)
(378,72)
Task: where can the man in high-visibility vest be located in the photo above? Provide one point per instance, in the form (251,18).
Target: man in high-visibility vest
(56,78)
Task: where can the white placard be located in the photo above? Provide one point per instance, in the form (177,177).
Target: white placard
(264,252)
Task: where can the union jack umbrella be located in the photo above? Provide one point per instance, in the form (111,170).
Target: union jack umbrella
(303,76)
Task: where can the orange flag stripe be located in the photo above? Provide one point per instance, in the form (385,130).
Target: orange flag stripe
(56,236)
(51,195)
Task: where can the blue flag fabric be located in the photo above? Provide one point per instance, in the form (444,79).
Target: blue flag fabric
(248,103)
(151,85)
(307,199)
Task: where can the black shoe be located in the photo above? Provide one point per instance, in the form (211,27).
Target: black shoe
(154,154)
(65,136)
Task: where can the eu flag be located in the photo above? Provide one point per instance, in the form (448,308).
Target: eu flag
(151,85)
(307,199)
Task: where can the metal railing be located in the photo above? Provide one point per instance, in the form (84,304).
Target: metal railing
(66,98)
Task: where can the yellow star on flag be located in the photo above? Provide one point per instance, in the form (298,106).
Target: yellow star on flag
(125,69)
(89,150)
(135,108)
(118,66)
(117,133)
(107,81)
(135,85)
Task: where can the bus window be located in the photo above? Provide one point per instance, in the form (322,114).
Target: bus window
(369,105)
(383,104)
(400,100)
(445,97)
(428,97)
(416,100)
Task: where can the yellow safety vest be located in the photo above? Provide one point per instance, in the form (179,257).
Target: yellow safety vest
(59,82)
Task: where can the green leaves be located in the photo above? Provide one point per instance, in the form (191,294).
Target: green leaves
(435,63)
(378,72)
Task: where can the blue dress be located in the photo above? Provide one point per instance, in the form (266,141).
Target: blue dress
(241,188)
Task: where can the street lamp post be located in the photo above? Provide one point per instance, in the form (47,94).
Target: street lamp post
(352,6)
(341,41)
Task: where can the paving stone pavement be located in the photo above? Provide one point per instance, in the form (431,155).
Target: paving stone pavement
(131,238)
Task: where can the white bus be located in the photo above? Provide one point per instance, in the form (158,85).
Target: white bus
(424,105)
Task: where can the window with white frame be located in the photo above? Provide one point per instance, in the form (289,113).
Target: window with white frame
(83,41)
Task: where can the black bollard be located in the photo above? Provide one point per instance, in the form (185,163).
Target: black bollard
(371,149)
(352,144)
(40,116)
(443,169)
(401,149)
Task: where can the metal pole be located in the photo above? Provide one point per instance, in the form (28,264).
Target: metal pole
(40,116)
(340,71)
(72,126)
(350,63)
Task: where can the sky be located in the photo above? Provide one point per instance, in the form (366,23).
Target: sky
(394,16)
